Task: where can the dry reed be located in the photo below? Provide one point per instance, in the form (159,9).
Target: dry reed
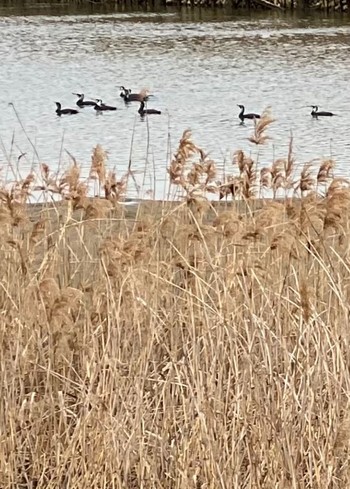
(159,350)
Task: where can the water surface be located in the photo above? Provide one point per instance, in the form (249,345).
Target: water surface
(198,65)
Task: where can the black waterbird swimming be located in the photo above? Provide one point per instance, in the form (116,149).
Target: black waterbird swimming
(83,103)
(124,91)
(133,97)
(316,113)
(142,111)
(99,106)
(60,111)
(243,116)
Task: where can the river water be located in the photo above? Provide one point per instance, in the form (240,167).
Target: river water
(198,64)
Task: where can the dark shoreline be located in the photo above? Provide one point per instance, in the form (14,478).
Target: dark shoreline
(194,10)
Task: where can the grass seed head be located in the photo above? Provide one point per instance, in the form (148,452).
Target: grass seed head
(98,164)
(260,126)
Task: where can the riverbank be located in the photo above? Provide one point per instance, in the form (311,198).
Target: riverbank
(198,7)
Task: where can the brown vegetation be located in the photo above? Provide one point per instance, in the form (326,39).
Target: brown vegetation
(196,344)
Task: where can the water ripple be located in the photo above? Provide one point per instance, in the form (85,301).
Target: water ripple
(198,71)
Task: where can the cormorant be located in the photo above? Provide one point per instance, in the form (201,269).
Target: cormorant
(142,111)
(99,106)
(132,97)
(243,116)
(83,103)
(316,113)
(60,111)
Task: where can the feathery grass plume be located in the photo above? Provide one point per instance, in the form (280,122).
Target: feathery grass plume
(277,173)
(5,208)
(273,177)
(185,151)
(45,171)
(281,172)
(23,190)
(289,165)
(49,181)
(324,174)
(115,190)
(337,186)
(200,178)
(193,177)
(239,159)
(266,178)
(98,165)
(307,181)
(14,199)
(72,188)
(337,204)
(242,161)
(260,126)
(19,192)
(209,171)
(249,180)
(247,176)
(231,187)
(13,210)
(70,179)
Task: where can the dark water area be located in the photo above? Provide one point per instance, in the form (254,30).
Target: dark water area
(198,63)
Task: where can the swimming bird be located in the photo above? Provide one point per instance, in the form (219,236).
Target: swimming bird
(133,97)
(60,111)
(243,116)
(142,111)
(124,91)
(316,113)
(99,106)
(83,103)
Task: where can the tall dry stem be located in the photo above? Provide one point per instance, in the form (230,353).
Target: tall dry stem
(260,126)
(98,165)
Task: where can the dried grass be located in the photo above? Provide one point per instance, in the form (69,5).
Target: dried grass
(98,165)
(159,350)
(260,126)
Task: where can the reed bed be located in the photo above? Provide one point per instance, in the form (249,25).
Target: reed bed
(193,344)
